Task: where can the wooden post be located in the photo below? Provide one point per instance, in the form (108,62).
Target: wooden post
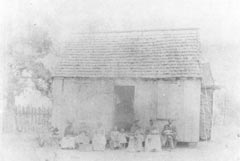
(34,125)
(225,109)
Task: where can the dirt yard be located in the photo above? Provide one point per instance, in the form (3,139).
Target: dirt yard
(225,146)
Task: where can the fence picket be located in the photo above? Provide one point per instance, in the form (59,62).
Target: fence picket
(32,119)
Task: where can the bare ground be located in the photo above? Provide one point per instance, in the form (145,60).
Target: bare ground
(224,146)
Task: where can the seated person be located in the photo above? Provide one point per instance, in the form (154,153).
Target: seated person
(135,143)
(122,139)
(83,141)
(82,138)
(153,141)
(99,138)
(131,143)
(68,141)
(139,138)
(114,136)
(55,136)
(169,133)
(50,136)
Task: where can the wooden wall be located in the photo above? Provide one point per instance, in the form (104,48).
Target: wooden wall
(92,100)
(206,114)
(82,100)
(180,100)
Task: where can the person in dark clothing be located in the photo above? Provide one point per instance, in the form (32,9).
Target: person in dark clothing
(68,130)
(68,141)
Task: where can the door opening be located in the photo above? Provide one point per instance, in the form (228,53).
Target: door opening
(124,110)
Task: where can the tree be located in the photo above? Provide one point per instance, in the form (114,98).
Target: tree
(23,53)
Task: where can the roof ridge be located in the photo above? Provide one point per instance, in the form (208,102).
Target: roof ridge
(128,31)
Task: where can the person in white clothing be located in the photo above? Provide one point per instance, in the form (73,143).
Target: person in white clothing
(99,139)
(153,139)
(123,139)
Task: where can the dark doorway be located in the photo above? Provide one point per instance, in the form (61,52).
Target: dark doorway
(124,111)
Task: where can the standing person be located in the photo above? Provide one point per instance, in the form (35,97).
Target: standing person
(99,139)
(153,140)
(169,133)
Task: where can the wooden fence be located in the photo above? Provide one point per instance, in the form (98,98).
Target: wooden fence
(32,119)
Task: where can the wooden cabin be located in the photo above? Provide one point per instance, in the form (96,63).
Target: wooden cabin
(117,77)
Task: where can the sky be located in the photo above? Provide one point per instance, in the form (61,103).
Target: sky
(218,22)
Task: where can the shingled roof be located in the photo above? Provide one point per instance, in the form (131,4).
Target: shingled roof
(133,54)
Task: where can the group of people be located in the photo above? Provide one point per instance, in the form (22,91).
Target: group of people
(118,139)
(135,140)
(83,140)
